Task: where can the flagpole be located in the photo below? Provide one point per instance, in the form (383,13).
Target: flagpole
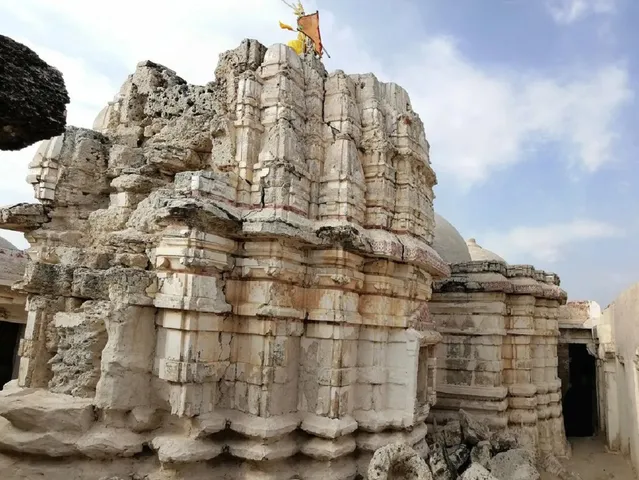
(323,49)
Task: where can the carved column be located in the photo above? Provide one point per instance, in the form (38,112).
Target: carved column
(469,310)
(518,355)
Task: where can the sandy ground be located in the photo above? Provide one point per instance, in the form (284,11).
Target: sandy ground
(591,461)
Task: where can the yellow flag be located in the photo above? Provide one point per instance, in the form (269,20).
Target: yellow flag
(284,26)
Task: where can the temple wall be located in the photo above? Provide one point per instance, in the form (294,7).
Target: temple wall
(238,271)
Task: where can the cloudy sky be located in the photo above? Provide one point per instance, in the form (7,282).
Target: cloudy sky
(529,105)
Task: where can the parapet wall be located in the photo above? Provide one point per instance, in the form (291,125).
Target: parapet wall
(235,271)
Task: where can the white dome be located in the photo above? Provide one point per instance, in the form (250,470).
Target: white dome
(448,243)
(479,254)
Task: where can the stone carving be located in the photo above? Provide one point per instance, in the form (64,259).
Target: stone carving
(33,98)
(234,272)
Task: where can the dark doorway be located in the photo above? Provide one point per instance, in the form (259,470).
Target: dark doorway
(580,401)
(9,335)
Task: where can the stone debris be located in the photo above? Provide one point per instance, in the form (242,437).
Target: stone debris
(452,433)
(33,97)
(477,472)
(398,461)
(503,440)
(471,458)
(516,464)
(481,453)
(474,430)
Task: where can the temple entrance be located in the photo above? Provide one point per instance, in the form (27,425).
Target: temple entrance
(9,336)
(580,400)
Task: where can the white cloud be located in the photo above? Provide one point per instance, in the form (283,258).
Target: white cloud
(187,38)
(566,12)
(13,186)
(547,243)
(479,119)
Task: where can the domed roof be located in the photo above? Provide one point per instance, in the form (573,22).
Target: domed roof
(448,243)
(6,244)
(477,253)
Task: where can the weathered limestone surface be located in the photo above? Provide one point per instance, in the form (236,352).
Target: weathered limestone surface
(235,271)
(498,358)
(398,461)
(33,97)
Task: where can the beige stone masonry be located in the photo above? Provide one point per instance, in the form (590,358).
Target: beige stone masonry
(236,273)
(498,358)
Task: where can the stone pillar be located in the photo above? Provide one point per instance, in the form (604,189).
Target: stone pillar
(469,310)
(189,355)
(518,355)
(34,351)
(554,296)
(248,131)
(542,359)
(281,179)
(328,358)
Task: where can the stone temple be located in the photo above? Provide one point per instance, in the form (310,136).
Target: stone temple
(247,279)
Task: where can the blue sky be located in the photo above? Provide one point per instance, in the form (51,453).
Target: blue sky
(529,105)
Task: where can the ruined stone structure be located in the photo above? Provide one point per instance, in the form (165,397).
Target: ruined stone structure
(498,357)
(236,272)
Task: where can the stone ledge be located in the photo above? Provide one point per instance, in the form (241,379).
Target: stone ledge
(180,449)
(104,442)
(23,217)
(40,411)
(49,444)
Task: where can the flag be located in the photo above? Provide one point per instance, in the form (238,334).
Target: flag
(284,26)
(309,26)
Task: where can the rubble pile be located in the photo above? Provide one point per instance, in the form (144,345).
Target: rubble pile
(464,449)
